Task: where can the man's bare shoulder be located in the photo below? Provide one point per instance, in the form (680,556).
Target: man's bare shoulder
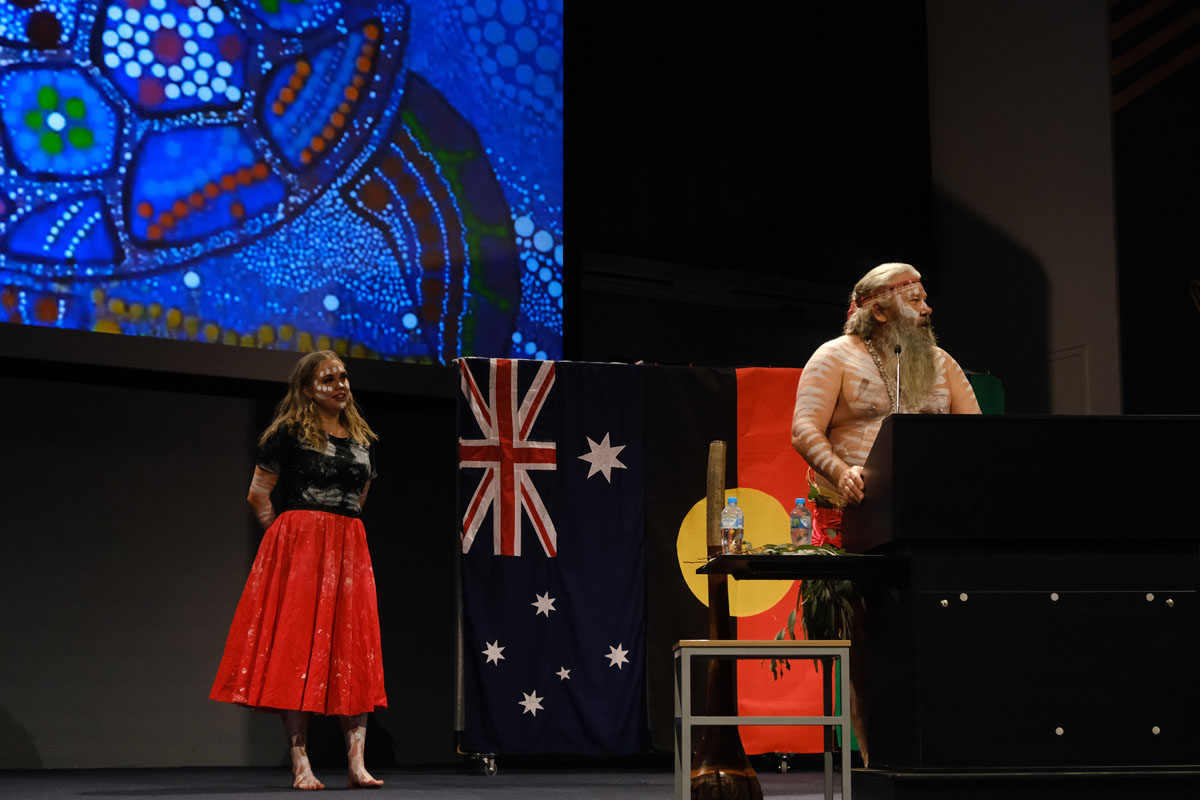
(944,358)
(832,357)
(839,347)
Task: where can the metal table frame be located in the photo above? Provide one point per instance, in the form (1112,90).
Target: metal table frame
(689,649)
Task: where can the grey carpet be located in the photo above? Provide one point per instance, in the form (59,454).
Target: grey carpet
(262,783)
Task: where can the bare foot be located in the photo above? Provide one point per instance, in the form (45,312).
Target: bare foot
(306,780)
(302,770)
(361,779)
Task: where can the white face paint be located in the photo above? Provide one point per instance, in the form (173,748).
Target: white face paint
(906,309)
(910,301)
(331,386)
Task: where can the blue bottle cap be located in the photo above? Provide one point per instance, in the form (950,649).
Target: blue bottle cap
(733,500)
(799,501)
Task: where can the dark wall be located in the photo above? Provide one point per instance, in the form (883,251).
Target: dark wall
(127,541)
(732,171)
(1157,165)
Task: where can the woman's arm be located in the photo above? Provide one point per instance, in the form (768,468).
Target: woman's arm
(259,496)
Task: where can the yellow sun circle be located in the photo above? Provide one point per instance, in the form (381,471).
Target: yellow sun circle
(766,523)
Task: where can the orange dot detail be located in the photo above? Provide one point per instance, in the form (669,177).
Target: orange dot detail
(165,219)
(211,189)
(371,32)
(228,183)
(145,210)
(351,93)
(277,108)
(338,119)
(363,64)
(287,95)
(237,210)
(196,199)
(303,68)
(46,309)
(179,209)
(259,170)
(317,144)
(154,232)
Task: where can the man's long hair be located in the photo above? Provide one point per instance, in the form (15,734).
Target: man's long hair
(297,411)
(862,322)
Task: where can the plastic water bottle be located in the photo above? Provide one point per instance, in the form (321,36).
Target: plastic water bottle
(801,521)
(733,525)
(740,526)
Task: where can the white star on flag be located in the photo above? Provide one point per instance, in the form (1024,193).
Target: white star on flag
(616,656)
(564,674)
(602,458)
(532,703)
(544,604)
(493,653)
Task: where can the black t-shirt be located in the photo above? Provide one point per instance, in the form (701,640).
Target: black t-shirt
(318,480)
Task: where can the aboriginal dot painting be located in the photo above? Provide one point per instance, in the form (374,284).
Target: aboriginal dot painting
(377,177)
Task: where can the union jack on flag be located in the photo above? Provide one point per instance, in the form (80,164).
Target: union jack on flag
(507,454)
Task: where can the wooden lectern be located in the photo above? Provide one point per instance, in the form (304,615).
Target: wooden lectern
(1038,634)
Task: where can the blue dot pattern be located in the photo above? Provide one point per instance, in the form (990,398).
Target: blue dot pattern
(195,197)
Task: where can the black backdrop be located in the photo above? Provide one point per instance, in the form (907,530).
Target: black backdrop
(769,153)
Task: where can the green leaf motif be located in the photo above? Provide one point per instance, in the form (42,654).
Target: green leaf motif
(47,98)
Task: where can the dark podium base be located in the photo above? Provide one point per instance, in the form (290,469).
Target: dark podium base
(1108,784)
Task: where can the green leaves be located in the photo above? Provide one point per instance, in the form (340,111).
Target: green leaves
(827,608)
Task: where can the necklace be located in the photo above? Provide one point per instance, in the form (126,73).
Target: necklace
(883,375)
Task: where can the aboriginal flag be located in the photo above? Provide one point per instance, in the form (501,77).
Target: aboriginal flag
(751,410)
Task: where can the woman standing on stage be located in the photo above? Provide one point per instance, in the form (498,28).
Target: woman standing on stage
(305,637)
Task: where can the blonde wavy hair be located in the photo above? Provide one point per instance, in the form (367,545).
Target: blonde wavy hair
(297,412)
(871,289)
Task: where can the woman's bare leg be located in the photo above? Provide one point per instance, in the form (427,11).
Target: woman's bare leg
(355,730)
(295,727)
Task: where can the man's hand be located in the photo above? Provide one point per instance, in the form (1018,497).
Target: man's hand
(850,484)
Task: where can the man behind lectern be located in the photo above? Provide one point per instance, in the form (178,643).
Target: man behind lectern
(849,386)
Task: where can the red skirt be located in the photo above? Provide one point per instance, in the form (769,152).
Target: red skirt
(306,632)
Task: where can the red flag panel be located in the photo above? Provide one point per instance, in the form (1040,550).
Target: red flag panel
(767,462)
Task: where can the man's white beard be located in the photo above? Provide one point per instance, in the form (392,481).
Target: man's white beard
(918,367)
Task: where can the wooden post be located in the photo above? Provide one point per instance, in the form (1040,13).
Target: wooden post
(720,770)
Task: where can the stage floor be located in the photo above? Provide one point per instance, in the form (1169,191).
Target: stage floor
(262,783)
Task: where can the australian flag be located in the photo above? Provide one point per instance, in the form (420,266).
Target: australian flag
(551,505)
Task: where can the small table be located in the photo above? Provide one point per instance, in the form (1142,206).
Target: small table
(688,649)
